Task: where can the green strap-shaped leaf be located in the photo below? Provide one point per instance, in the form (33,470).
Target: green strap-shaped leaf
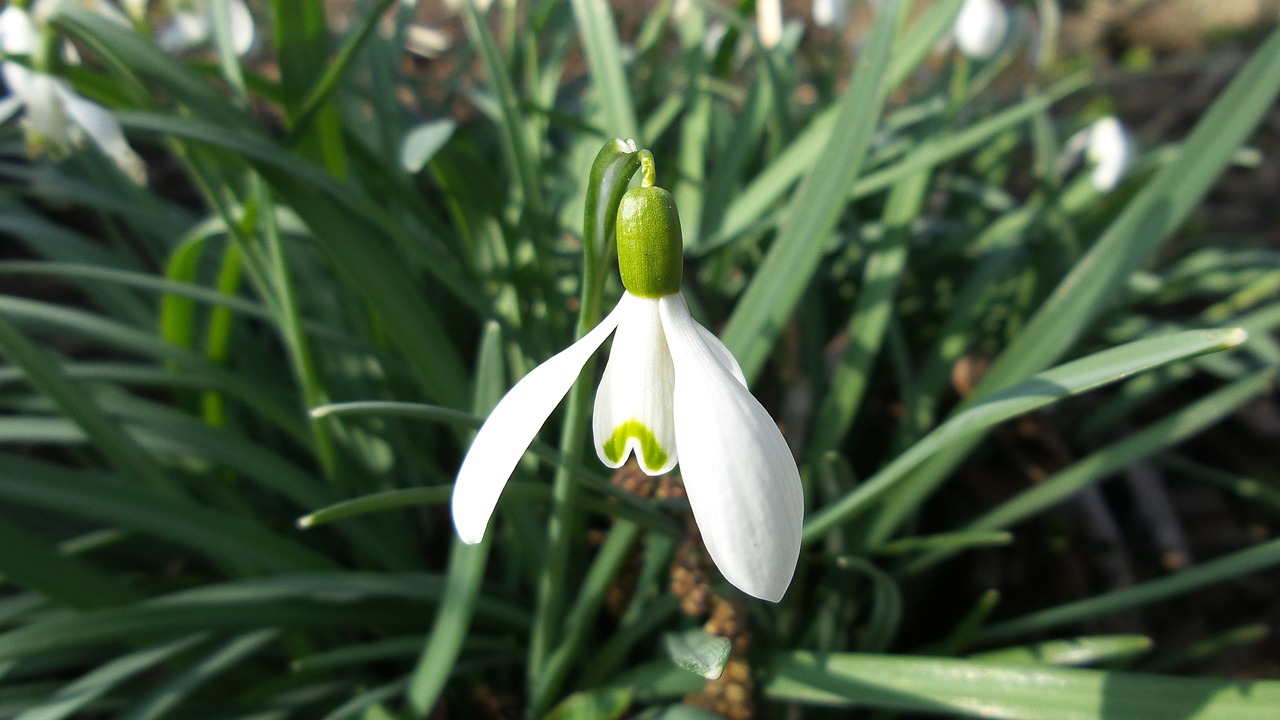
(1050,386)
(971,689)
(792,259)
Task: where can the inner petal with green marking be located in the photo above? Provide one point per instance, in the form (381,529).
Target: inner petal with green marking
(651,452)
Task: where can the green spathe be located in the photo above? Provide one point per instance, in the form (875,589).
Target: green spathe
(615,447)
(650,246)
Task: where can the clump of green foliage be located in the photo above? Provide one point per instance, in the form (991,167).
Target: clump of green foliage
(235,395)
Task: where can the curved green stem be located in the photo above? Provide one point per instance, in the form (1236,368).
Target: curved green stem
(610,174)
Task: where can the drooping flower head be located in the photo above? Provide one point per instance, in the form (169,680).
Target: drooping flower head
(57,118)
(190,25)
(671,394)
(980,28)
(1108,147)
(769,22)
(830,13)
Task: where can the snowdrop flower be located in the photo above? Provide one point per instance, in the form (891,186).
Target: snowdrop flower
(191,25)
(671,393)
(1108,147)
(980,27)
(57,119)
(769,22)
(830,13)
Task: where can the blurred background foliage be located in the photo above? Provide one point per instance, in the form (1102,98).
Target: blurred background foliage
(1039,457)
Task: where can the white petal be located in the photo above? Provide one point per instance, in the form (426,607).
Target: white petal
(1111,150)
(242,30)
(722,354)
(510,429)
(46,122)
(184,31)
(633,404)
(980,27)
(739,474)
(17,31)
(101,127)
(830,13)
(769,22)
(17,78)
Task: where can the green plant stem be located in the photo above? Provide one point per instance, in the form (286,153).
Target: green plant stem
(610,173)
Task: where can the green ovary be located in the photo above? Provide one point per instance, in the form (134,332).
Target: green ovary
(616,445)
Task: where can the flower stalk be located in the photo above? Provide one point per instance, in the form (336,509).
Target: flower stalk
(611,172)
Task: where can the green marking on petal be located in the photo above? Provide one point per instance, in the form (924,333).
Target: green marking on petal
(616,445)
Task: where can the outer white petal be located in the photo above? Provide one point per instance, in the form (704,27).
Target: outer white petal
(184,31)
(17,31)
(769,22)
(634,399)
(242,29)
(830,13)
(510,429)
(102,128)
(980,27)
(1111,150)
(722,354)
(18,79)
(739,474)
(46,122)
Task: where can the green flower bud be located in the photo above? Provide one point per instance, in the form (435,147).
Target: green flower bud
(650,246)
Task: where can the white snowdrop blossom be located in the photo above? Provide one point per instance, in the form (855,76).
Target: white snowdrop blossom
(671,393)
(769,22)
(57,119)
(980,28)
(1108,147)
(830,13)
(190,25)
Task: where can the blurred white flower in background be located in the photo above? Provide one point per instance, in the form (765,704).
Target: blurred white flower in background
(980,28)
(57,119)
(1107,146)
(830,13)
(190,26)
(769,22)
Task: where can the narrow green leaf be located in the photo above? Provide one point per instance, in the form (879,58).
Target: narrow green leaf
(606,704)
(950,541)
(886,604)
(1168,198)
(519,147)
(453,620)
(582,615)
(1072,378)
(1074,652)
(74,696)
(120,337)
(29,561)
(302,49)
(969,689)
(791,261)
(319,96)
(599,39)
(44,372)
(869,321)
(375,502)
(234,538)
(174,690)
(1230,567)
(1170,430)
